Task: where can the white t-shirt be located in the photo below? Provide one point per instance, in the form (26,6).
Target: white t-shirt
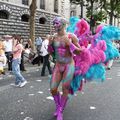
(44,47)
(8,45)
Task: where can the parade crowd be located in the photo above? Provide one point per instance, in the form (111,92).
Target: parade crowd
(14,52)
(76,56)
(6,53)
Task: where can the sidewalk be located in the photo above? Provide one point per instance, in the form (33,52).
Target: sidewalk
(29,68)
(32,68)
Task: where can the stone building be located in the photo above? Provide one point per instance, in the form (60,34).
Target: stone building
(76,10)
(14,16)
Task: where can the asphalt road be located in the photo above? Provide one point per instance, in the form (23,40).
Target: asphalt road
(34,102)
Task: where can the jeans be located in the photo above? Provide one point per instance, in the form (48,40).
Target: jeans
(16,71)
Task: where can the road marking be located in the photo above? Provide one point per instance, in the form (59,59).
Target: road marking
(22,113)
(39,80)
(92,108)
(40,92)
(118,75)
(28,118)
(31,94)
(49,98)
(20,100)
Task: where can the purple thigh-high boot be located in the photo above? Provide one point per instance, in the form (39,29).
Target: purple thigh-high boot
(57,103)
(63,102)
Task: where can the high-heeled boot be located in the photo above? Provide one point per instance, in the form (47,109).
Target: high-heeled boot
(57,103)
(63,102)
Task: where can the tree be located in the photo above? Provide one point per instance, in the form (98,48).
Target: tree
(32,8)
(112,7)
(97,17)
(90,8)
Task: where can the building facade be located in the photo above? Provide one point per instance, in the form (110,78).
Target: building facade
(76,11)
(14,16)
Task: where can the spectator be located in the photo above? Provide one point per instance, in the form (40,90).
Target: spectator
(2,58)
(28,44)
(38,43)
(2,46)
(110,62)
(45,55)
(17,51)
(29,51)
(2,62)
(8,50)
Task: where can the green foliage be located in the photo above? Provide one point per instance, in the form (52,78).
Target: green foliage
(117,9)
(110,7)
(97,17)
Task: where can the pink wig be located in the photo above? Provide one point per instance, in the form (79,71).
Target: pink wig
(82,28)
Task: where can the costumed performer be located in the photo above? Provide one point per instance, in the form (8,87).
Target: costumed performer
(64,45)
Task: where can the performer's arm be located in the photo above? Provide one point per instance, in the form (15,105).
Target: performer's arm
(74,45)
(50,47)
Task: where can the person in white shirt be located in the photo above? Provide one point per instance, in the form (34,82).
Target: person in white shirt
(8,50)
(110,62)
(44,53)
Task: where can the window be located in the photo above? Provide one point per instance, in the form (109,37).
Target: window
(4,14)
(73,13)
(25,18)
(42,20)
(25,2)
(56,6)
(42,4)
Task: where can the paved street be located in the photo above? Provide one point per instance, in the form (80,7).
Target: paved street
(34,102)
